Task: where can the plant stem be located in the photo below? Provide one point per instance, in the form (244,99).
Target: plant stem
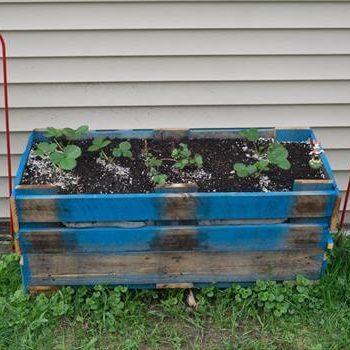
(58,144)
(104,155)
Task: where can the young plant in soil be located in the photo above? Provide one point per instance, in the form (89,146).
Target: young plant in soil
(62,157)
(154,164)
(98,144)
(66,159)
(122,150)
(183,158)
(67,133)
(274,155)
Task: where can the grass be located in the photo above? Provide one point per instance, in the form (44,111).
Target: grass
(267,315)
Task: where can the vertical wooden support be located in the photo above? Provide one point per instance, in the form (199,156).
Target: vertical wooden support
(15,225)
(334,219)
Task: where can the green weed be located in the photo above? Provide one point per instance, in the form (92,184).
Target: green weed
(265,315)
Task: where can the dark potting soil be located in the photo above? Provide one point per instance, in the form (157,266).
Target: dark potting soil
(95,175)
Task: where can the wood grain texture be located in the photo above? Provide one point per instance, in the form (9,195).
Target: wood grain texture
(172,267)
(334,219)
(172,238)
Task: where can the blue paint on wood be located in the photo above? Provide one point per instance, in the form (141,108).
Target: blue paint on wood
(24,158)
(154,206)
(157,238)
(294,135)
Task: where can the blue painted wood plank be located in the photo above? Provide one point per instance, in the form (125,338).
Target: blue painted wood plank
(171,206)
(113,240)
(295,135)
(24,158)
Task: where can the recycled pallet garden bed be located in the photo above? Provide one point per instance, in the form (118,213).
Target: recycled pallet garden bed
(174,236)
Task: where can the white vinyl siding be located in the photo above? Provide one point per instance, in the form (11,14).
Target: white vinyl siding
(151,64)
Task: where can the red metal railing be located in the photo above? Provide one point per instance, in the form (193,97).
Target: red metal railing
(7,127)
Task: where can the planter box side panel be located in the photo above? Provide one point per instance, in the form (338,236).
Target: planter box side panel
(189,254)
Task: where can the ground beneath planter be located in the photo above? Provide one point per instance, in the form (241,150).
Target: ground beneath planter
(95,175)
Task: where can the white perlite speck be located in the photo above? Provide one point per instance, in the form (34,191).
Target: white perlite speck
(117,170)
(264,183)
(43,172)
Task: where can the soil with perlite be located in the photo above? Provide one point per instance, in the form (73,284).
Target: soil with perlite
(95,175)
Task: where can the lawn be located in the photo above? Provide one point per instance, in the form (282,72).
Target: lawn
(266,315)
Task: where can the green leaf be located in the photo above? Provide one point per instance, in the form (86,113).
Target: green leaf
(72,151)
(198,160)
(56,157)
(276,153)
(127,153)
(251,169)
(117,152)
(105,143)
(83,129)
(250,134)
(125,146)
(262,164)
(93,148)
(53,132)
(39,152)
(159,179)
(241,170)
(68,163)
(284,164)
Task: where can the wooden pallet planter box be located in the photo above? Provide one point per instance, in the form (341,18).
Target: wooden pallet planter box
(174,239)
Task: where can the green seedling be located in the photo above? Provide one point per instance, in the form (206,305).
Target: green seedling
(154,165)
(123,150)
(276,155)
(98,144)
(75,134)
(66,159)
(183,157)
(45,149)
(250,134)
(159,179)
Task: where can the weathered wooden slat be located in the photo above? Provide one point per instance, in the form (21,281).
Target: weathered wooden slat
(172,267)
(171,238)
(313,185)
(174,206)
(334,219)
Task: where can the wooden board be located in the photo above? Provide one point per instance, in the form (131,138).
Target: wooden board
(173,206)
(171,267)
(173,238)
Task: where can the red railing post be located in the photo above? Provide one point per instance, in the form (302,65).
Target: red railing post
(7,128)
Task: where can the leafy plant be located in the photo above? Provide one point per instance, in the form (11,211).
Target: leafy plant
(275,154)
(44,149)
(184,158)
(123,150)
(98,144)
(250,134)
(68,133)
(154,165)
(66,159)
(75,134)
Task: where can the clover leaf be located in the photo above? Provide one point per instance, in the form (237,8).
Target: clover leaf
(122,150)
